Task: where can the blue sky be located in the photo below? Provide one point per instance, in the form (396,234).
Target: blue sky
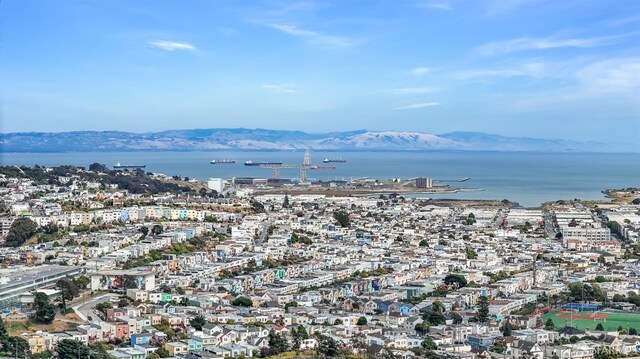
(553,69)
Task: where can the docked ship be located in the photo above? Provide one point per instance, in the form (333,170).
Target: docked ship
(251,163)
(119,166)
(333,160)
(222,162)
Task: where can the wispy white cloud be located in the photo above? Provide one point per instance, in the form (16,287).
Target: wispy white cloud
(616,79)
(611,76)
(278,88)
(419,71)
(316,37)
(437,5)
(171,45)
(482,73)
(528,69)
(526,43)
(411,90)
(418,105)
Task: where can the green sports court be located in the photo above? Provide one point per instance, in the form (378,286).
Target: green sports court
(609,319)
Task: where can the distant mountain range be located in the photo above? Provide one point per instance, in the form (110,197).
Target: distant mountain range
(262,139)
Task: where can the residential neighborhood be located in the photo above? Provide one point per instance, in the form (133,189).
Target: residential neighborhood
(92,269)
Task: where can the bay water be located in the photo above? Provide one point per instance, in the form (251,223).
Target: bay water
(525,177)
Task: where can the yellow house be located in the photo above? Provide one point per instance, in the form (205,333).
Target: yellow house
(36,343)
(176,348)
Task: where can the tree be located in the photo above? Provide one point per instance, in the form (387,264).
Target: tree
(342,217)
(337,322)
(421,328)
(42,355)
(123,302)
(98,167)
(162,353)
(144,230)
(299,334)
(435,315)
(619,298)
(549,325)
(242,301)
(43,311)
(21,229)
(327,346)
(68,290)
(428,344)
(198,322)
(278,342)
(257,206)
(633,331)
(285,203)
(615,227)
(362,321)
(83,281)
(3,330)
(457,318)
(506,329)
(423,243)
(156,229)
(599,327)
(482,313)
(72,349)
(455,279)
(16,346)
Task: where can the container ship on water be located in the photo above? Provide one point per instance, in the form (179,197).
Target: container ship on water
(251,163)
(322,167)
(222,162)
(119,166)
(333,160)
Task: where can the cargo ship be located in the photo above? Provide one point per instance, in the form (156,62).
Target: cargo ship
(119,166)
(251,163)
(222,162)
(333,160)
(322,167)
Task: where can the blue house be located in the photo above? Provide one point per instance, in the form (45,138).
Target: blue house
(140,339)
(382,305)
(480,341)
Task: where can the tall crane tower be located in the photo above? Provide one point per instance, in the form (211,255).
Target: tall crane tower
(306,164)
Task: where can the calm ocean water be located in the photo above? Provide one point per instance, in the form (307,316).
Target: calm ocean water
(526,178)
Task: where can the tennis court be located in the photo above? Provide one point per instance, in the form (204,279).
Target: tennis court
(610,320)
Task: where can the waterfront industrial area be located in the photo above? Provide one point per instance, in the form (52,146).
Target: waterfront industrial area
(304,184)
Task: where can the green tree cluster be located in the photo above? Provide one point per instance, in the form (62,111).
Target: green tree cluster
(21,229)
(482,311)
(12,346)
(342,218)
(242,302)
(198,322)
(455,279)
(43,311)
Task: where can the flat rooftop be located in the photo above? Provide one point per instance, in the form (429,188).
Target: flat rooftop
(24,274)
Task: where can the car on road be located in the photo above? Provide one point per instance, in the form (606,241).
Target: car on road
(90,317)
